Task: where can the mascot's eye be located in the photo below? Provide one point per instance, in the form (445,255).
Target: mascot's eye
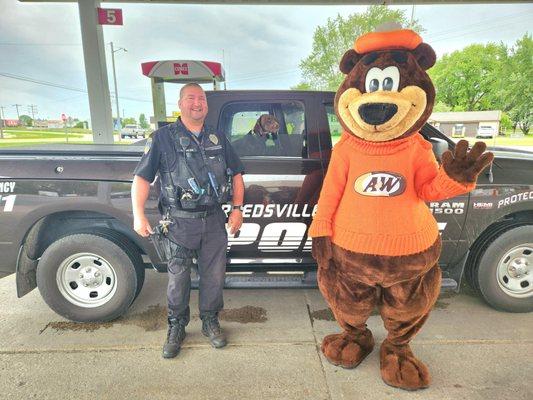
(391,78)
(387,84)
(373,85)
(382,79)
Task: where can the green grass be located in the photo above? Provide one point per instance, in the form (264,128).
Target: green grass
(17,137)
(19,134)
(29,143)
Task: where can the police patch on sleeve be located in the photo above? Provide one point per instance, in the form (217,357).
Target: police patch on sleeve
(147,145)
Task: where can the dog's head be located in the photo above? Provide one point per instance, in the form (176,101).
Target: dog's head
(265,125)
(387,93)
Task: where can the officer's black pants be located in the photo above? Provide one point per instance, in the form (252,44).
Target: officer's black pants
(209,238)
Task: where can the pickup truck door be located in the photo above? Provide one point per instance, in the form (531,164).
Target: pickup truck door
(282,179)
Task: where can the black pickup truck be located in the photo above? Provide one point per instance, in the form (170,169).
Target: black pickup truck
(66,220)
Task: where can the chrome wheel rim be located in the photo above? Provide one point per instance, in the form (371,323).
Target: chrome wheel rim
(515,271)
(86,280)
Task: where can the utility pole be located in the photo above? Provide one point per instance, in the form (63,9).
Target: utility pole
(1,122)
(17,107)
(412,16)
(113,51)
(32,109)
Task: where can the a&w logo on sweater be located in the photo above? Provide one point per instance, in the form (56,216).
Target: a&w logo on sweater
(380,183)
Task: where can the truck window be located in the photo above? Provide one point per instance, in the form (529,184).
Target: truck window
(335,128)
(239,119)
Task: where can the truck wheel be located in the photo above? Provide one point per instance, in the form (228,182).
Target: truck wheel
(87,278)
(505,271)
(125,245)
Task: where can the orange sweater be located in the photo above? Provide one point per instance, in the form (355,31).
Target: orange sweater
(372,200)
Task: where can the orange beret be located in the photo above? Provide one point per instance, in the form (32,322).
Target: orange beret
(400,39)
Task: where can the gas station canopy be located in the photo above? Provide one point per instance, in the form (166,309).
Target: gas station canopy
(178,71)
(183,71)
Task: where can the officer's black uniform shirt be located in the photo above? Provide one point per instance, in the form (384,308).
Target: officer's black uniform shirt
(159,151)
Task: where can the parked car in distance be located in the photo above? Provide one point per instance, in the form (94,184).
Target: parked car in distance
(458,131)
(132,131)
(485,132)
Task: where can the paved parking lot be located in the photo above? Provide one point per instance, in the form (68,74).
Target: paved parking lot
(473,351)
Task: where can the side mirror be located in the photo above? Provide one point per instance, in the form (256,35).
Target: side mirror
(439,147)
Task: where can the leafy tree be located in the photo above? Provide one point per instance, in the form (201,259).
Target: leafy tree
(321,68)
(129,121)
(26,120)
(505,122)
(441,107)
(302,86)
(466,79)
(143,122)
(515,89)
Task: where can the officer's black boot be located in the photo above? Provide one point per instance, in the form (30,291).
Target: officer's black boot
(175,336)
(211,329)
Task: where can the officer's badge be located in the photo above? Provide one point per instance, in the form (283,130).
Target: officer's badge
(213,138)
(147,146)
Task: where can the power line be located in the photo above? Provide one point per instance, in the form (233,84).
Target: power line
(474,25)
(40,44)
(59,86)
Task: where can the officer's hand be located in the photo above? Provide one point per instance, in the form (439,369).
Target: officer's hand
(235,221)
(142,226)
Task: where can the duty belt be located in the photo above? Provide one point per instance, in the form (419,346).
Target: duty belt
(192,214)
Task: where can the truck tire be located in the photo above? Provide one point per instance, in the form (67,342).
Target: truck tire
(505,271)
(125,244)
(87,278)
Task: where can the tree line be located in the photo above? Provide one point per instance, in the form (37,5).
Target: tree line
(478,77)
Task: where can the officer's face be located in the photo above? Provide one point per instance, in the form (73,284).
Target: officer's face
(193,104)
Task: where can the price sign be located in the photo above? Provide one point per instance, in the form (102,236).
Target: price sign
(110,16)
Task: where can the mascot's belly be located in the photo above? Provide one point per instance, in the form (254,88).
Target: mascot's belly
(382,229)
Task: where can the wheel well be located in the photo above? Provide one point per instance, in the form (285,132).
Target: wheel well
(54,226)
(494,230)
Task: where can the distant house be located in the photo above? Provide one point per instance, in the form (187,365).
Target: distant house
(471,120)
(11,122)
(55,124)
(40,123)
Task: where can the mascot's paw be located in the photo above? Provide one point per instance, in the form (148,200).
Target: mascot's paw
(321,250)
(347,350)
(464,166)
(401,369)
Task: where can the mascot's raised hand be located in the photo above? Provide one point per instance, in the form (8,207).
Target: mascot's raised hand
(464,166)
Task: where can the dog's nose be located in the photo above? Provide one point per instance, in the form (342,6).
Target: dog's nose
(377,113)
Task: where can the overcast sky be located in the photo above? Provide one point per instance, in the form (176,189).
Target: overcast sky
(263,46)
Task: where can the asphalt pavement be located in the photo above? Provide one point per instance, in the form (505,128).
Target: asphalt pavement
(473,351)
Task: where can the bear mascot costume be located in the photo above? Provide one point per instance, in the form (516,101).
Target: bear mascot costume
(374,238)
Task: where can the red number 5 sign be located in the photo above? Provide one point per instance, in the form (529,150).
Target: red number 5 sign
(109,16)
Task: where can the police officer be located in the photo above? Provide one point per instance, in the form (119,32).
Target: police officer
(199,171)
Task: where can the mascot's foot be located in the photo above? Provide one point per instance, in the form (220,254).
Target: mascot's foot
(401,369)
(347,350)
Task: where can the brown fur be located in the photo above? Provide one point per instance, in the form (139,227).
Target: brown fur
(404,288)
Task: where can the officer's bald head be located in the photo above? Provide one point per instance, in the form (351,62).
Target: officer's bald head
(184,89)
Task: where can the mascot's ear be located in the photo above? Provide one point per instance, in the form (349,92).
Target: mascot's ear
(349,59)
(425,56)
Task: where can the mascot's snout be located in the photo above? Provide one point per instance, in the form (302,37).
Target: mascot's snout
(377,113)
